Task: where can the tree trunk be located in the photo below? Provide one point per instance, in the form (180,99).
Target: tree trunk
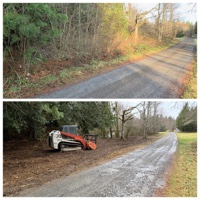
(155,106)
(111,135)
(117,122)
(147,117)
(144,120)
(136,32)
(123,122)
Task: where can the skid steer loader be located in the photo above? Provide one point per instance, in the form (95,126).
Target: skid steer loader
(67,139)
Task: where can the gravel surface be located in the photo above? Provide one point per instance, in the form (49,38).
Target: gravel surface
(137,174)
(157,76)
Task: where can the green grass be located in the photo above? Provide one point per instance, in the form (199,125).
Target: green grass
(191,89)
(183,179)
(146,48)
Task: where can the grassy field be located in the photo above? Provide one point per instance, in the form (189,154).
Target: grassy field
(183,179)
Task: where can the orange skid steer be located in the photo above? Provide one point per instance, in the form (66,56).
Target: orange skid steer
(67,139)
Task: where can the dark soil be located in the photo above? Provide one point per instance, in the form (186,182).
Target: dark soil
(28,164)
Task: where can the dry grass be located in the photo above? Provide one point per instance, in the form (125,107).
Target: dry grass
(183,179)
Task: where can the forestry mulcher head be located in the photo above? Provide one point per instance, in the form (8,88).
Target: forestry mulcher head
(67,139)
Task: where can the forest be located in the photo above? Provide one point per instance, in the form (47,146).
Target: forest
(43,43)
(33,120)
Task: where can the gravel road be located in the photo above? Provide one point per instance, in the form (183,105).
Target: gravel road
(137,174)
(157,76)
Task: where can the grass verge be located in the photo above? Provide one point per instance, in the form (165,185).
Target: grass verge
(183,178)
(191,89)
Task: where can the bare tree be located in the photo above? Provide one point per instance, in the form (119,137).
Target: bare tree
(116,119)
(140,20)
(145,116)
(136,19)
(155,116)
(131,12)
(125,116)
(172,20)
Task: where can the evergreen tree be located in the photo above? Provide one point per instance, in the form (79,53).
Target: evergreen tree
(30,119)
(27,25)
(187,119)
(181,116)
(90,115)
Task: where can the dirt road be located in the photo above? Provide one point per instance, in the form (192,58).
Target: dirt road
(158,76)
(139,173)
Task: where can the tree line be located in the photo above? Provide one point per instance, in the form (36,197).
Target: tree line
(187,119)
(36,32)
(142,119)
(33,120)
(61,31)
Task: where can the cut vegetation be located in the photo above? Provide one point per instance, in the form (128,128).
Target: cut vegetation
(26,167)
